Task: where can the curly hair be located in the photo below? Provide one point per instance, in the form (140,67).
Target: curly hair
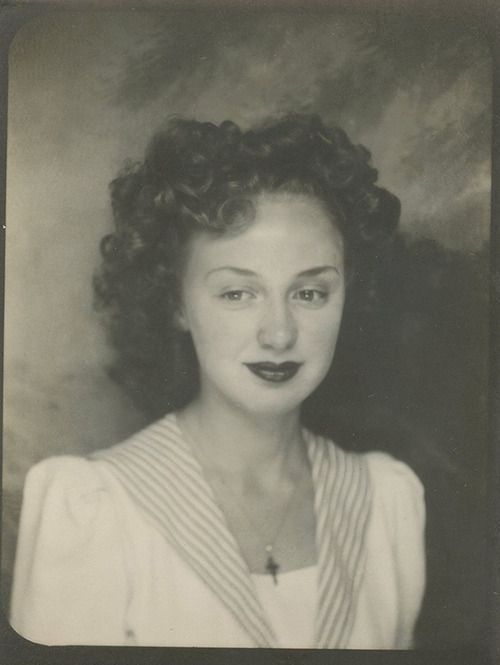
(200,176)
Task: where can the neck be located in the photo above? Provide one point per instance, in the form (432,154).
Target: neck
(241,445)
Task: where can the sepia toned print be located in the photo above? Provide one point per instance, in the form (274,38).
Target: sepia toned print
(295,354)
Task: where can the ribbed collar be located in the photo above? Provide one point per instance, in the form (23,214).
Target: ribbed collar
(159,471)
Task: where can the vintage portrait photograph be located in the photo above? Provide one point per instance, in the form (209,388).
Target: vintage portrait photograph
(246,361)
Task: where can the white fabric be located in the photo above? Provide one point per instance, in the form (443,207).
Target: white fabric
(91,567)
(162,476)
(290,605)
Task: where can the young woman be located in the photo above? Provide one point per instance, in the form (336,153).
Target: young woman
(227,522)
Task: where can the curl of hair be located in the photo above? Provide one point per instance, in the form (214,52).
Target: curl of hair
(200,176)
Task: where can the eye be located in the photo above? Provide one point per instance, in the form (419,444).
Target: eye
(236,295)
(315,297)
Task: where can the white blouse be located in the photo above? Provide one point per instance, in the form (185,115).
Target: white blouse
(129,547)
(290,605)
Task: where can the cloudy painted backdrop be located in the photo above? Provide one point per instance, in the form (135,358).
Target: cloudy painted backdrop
(86,90)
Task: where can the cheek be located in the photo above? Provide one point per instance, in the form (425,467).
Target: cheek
(321,332)
(323,344)
(218,334)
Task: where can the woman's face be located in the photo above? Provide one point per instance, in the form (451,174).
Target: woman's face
(264,306)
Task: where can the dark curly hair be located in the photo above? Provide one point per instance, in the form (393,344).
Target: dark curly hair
(200,176)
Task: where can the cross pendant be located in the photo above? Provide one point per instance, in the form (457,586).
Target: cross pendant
(272,568)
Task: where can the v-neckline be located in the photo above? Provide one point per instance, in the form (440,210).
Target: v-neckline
(191,445)
(160,471)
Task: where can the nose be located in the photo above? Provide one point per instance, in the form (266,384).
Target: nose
(278,330)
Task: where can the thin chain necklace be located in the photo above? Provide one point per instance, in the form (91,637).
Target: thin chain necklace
(272,566)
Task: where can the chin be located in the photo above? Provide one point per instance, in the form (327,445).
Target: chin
(272,402)
(256,397)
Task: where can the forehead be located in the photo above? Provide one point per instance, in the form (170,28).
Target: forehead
(289,234)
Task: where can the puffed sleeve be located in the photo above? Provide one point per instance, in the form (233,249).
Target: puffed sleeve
(70,583)
(399,497)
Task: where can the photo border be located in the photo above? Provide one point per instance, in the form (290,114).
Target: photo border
(485,16)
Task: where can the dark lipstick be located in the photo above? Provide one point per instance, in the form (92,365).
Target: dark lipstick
(274,372)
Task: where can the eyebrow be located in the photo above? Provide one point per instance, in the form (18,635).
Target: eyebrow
(311,272)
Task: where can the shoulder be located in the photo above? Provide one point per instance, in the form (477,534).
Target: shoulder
(75,476)
(395,490)
(390,477)
(383,470)
(67,494)
(398,500)
(76,490)
(64,469)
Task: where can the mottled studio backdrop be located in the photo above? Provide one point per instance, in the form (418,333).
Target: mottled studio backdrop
(85,92)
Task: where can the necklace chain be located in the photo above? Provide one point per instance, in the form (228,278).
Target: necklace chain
(272,566)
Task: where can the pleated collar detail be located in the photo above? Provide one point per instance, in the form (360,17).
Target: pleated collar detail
(159,471)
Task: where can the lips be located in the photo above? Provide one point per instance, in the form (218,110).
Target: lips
(274,372)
